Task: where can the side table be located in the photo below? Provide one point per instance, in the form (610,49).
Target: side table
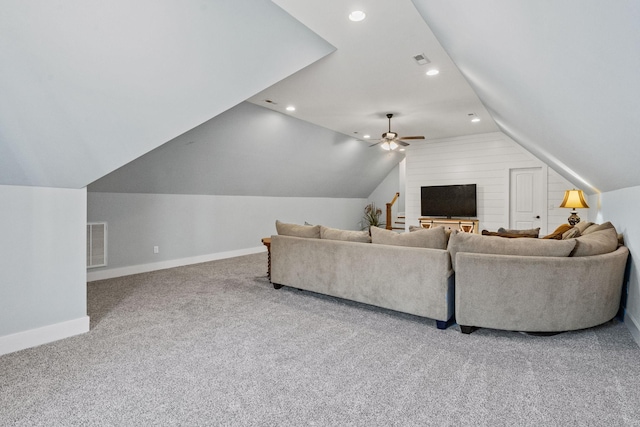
(267,242)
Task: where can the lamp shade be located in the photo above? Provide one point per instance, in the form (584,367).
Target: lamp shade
(574,199)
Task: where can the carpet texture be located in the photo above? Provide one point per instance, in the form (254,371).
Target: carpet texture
(215,344)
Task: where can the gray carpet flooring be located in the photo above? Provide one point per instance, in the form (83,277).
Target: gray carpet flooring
(215,344)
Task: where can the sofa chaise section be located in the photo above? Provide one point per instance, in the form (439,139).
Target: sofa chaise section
(538,293)
(412,280)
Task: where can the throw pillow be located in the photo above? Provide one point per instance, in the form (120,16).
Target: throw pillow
(534,232)
(467,242)
(596,243)
(571,233)
(558,232)
(295,230)
(433,238)
(344,235)
(508,235)
(597,227)
(583,225)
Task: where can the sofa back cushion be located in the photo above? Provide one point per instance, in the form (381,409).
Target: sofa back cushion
(295,230)
(433,238)
(475,243)
(598,242)
(344,235)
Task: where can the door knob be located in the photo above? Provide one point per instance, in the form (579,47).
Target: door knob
(537,217)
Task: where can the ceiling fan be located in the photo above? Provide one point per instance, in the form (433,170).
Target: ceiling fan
(390,140)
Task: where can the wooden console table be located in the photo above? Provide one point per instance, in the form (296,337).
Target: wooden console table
(464,225)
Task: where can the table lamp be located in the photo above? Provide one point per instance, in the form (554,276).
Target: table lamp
(574,199)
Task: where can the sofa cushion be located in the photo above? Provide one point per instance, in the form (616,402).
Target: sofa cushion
(434,238)
(295,230)
(344,235)
(531,232)
(468,242)
(558,232)
(596,243)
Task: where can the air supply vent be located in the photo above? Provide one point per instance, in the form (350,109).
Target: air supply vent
(96,244)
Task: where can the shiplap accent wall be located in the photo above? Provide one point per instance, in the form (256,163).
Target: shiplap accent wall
(483,159)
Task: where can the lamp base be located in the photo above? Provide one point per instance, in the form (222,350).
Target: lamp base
(573,218)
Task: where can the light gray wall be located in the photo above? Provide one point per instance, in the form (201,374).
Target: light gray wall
(385,192)
(185,226)
(42,257)
(621,207)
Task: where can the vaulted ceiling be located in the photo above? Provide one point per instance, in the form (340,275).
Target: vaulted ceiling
(89,86)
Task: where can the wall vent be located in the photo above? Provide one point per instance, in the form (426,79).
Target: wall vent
(96,244)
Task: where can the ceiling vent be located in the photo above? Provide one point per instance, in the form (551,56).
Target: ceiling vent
(421,59)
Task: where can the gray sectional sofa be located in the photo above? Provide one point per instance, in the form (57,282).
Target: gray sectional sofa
(523,284)
(414,280)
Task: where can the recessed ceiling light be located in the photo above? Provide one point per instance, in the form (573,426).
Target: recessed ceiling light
(402,149)
(366,136)
(433,72)
(357,15)
(475,119)
(291,108)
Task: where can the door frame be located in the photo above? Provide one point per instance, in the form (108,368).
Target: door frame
(544,197)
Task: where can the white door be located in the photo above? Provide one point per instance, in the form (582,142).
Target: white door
(526,199)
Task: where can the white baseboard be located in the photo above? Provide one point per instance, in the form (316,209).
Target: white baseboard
(633,327)
(145,268)
(43,335)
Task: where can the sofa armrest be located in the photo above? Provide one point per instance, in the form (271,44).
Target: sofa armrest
(541,294)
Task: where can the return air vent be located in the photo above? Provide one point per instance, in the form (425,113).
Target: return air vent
(96,244)
(421,59)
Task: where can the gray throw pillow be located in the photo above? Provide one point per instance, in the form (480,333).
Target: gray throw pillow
(596,243)
(475,243)
(531,232)
(344,235)
(433,238)
(295,230)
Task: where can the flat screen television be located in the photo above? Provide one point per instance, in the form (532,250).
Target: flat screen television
(449,200)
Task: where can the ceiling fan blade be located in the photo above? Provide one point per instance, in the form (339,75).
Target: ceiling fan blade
(404,144)
(373,145)
(411,137)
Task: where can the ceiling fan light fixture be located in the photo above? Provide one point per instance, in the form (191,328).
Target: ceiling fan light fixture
(385,146)
(357,16)
(393,145)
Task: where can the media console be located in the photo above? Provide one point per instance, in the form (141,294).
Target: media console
(464,225)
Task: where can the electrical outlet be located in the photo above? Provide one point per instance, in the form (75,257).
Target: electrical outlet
(156,250)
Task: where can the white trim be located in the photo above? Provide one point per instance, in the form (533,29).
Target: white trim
(43,335)
(633,327)
(145,268)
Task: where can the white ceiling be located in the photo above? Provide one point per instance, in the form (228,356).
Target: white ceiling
(560,78)
(373,73)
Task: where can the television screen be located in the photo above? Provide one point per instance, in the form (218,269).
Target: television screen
(449,200)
